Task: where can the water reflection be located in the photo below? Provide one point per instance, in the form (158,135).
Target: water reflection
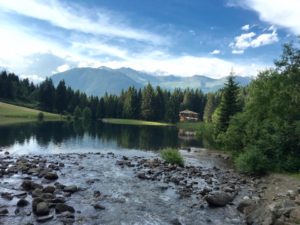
(79,136)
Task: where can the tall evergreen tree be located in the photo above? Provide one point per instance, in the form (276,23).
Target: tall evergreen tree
(148,103)
(229,103)
(209,108)
(61,97)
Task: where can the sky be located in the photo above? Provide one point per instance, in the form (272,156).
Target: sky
(208,37)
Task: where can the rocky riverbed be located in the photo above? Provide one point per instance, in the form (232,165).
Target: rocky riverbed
(125,188)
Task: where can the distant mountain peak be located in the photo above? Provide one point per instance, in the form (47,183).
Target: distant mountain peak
(98,81)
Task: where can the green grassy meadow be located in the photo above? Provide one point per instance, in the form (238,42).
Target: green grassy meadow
(11,114)
(134,122)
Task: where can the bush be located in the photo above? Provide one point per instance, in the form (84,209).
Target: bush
(252,161)
(40,116)
(172,156)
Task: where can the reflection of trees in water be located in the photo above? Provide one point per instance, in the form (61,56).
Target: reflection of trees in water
(131,137)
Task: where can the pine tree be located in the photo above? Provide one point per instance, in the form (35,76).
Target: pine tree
(229,103)
(209,108)
(148,103)
(61,97)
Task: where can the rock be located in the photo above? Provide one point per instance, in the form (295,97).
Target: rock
(35,201)
(244,204)
(51,176)
(42,209)
(7,196)
(98,206)
(37,193)
(70,188)
(49,189)
(218,198)
(61,207)
(44,218)
(22,203)
(29,185)
(295,215)
(6,153)
(58,200)
(176,222)
(3,211)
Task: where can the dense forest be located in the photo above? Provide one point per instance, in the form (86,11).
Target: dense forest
(149,103)
(264,134)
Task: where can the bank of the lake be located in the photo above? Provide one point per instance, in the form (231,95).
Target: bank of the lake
(134,122)
(13,114)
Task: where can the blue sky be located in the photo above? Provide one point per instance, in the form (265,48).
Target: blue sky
(207,37)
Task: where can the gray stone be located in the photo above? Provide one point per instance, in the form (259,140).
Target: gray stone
(218,198)
(61,207)
(42,209)
(70,188)
(51,176)
(22,203)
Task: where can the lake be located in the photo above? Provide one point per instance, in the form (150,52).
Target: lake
(78,137)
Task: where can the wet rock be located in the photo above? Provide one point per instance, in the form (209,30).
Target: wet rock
(51,176)
(44,218)
(29,185)
(97,194)
(49,189)
(61,207)
(295,215)
(70,188)
(218,198)
(35,202)
(6,153)
(37,192)
(244,204)
(7,196)
(22,203)
(3,211)
(176,222)
(42,209)
(99,207)
(58,200)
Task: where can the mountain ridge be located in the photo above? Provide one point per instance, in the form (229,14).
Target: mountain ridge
(98,81)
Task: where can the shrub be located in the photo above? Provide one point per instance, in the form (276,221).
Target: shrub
(172,156)
(252,161)
(40,116)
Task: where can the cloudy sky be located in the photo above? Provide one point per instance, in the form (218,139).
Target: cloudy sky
(209,37)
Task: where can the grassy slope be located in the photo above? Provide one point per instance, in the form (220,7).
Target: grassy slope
(134,122)
(10,114)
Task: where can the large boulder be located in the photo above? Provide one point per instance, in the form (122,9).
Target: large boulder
(218,198)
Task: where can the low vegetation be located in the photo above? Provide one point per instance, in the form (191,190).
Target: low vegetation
(172,156)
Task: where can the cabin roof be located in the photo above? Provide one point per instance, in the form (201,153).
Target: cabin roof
(188,112)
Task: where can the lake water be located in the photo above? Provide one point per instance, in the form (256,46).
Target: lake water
(63,137)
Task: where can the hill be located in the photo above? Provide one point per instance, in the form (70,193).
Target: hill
(15,114)
(97,81)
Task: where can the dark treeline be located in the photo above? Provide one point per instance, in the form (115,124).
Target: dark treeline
(149,103)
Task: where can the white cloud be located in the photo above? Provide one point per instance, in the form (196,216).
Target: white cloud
(282,13)
(68,17)
(215,52)
(63,68)
(34,78)
(247,40)
(246,27)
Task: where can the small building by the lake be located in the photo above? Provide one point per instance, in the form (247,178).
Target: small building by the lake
(188,115)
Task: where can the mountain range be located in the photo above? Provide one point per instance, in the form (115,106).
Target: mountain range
(98,81)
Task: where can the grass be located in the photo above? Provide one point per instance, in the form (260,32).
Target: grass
(11,114)
(134,122)
(194,126)
(172,156)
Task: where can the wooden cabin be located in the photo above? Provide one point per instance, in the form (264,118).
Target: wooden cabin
(188,115)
